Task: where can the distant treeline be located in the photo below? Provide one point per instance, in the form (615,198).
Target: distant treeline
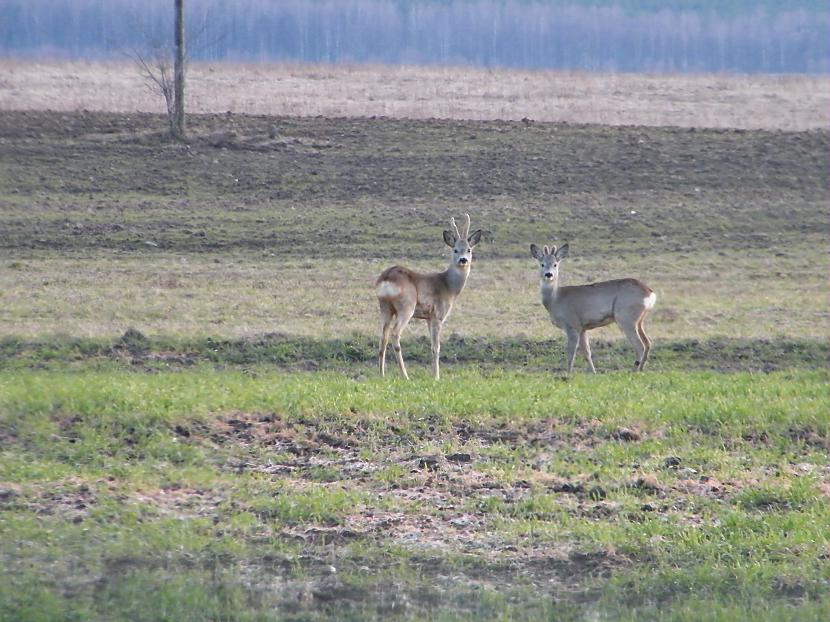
(777,36)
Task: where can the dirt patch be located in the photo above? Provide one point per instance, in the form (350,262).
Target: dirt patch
(810,437)
(72,500)
(707,486)
(625,434)
(179,502)
(9,492)
(7,435)
(448,502)
(279,435)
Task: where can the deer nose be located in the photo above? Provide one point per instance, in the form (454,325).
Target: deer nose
(463,260)
(548,275)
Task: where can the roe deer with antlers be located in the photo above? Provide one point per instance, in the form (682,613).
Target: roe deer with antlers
(404,294)
(578,309)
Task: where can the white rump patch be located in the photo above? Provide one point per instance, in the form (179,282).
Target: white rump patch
(387,289)
(650,300)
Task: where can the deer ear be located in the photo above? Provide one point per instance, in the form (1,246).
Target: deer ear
(537,254)
(449,238)
(547,250)
(562,252)
(475,238)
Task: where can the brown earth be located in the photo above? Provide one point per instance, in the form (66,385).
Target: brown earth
(108,179)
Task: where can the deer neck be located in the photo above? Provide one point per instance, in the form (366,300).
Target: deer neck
(455,278)
(549,290)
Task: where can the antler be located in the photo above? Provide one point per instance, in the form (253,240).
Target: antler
(466,233)
(455,228)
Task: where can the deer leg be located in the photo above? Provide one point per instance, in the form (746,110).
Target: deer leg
(399,355)
(385,328)
(646,341)
(401,321)
(396,346)
(435,336)
(633,335)
(573,340)
(585,348)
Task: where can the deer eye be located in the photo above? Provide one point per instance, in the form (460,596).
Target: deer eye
(455,250)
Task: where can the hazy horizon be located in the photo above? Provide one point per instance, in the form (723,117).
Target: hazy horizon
(770,36)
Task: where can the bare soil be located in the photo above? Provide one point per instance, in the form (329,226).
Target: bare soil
(111,179)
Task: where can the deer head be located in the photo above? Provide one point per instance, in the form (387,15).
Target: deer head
(462,243)
(549,259)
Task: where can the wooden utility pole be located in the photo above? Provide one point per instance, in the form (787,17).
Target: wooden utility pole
(178,72)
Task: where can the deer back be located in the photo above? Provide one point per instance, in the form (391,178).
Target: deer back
(596,304)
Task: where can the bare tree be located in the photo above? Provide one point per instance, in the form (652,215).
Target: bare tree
(158,74)
(178,71)
(163,69)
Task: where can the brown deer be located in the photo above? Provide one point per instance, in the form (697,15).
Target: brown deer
(404,294)
(578,309)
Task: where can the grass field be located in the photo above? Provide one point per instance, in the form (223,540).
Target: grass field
(503,495)
(786,102)
(189,406)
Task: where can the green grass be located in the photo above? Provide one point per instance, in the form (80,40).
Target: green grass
(189,406)
(209,485)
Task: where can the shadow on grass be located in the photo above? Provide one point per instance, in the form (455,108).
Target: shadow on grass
(307,587)
(134,349)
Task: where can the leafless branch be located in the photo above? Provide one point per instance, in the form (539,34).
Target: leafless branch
(155,63)
(158,75)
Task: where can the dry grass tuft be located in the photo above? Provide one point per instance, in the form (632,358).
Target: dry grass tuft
(790,102)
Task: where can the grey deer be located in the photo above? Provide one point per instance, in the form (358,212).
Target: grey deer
(404,294)
(578,309)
